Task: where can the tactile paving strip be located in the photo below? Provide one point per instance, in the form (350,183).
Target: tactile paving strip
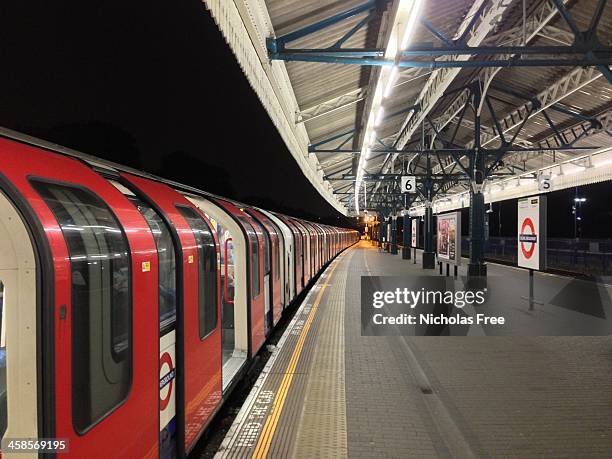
(322,431)
(269,421)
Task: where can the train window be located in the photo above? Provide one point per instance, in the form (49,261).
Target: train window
(207,270)
(266,251)
(166,262)
(252,237)
(274,230)
(3,407)
(101,301)
(255,287)
(277,258)
(266,247)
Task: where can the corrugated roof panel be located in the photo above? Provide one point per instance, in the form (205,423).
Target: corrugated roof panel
(316,83)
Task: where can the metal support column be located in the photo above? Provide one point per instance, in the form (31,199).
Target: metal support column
(389,228)
(429,255)
(407,238)
(477,269)
(394,235)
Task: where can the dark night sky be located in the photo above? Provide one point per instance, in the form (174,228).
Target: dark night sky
(595,214)
(151,84)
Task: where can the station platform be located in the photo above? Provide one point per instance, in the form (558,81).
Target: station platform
(327,391)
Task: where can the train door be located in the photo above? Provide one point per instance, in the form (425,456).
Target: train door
(286,256)
(272,269)
(266,272)
(98,372)
(256,243)
(298,258)
(167,301)
(234,292)
(252,256)
(197,381)
(305,251)
(18,328)
(312,236)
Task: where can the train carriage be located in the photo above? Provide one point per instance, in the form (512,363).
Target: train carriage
(287,248)
(130,300)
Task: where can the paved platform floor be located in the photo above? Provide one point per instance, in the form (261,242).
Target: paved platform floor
(327,391)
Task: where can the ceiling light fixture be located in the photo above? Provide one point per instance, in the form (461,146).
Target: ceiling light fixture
(402,30)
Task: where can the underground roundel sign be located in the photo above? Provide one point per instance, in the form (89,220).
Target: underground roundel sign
(531,218)
(528,238)
(167,373)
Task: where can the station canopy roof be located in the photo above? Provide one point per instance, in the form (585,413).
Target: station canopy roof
(353,122)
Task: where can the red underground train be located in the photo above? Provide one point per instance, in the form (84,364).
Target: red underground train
(131,305)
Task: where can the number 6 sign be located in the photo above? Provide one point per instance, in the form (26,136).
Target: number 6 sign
(408,184)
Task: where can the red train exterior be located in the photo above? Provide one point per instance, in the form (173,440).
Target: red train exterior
(103,380)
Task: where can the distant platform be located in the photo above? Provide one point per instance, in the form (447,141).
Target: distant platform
(327,391)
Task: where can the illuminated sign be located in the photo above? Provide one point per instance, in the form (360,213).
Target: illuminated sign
(531,232)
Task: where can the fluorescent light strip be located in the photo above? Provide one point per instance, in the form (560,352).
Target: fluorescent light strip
(380,116)
(407,13)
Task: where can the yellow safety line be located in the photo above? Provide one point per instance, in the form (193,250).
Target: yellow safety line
(267,433)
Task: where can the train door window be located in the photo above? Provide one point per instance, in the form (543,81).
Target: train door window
(207,270)
(3,407)
(101,301)
(266,250)
(255,274)
(277,256)
(255,287)
(166,263)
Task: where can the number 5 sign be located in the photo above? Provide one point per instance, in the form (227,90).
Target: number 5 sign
(409,184)
(544,182)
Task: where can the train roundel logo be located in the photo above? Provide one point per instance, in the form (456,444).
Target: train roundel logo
(166,368)
(528,239)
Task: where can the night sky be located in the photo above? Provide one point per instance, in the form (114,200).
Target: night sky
(153,85)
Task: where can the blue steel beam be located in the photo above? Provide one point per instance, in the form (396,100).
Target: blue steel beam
(330,139)
(346,141)
(470,26)
(591,33)
(562,140)
(275,45)
(353,31)
(328,58)
(454,151)
(429,51)
(588,37)
(567,17)
(561,109)
(313,147)
(605,71)
(436,33)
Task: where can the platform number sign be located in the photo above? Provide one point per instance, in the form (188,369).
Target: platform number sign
(544,182)
(409,184)
(531,244)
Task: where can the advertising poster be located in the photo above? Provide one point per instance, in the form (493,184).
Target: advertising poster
(414,240)
(449,237)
